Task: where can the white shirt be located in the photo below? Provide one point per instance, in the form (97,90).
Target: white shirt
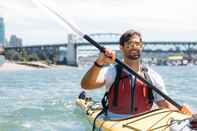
(157,81)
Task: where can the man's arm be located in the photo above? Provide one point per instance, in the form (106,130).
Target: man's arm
(185,109)
(165,104)
(94,78)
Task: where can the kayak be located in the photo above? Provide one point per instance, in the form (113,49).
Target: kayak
(154,120)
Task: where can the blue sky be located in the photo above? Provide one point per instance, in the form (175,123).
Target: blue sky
(161,20)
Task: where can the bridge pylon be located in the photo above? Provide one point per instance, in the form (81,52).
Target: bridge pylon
(71,56)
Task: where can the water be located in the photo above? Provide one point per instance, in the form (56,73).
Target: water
(44,99)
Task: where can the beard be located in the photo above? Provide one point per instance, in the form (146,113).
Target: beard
(133,56)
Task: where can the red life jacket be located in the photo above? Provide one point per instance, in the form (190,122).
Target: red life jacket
(129,95)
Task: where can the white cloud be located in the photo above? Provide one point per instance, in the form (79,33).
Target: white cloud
(156,19)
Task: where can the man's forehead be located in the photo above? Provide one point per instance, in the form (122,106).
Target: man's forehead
(135,36)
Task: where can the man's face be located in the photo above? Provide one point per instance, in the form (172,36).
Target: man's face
(132,48)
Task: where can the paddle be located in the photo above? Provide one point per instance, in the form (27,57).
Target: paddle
(102,49)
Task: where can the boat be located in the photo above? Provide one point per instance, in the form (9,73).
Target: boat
(155,120)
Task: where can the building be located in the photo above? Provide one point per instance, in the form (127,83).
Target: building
(2,32)
(15,41)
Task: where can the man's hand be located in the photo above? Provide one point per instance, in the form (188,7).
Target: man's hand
(108,57)
(186,110)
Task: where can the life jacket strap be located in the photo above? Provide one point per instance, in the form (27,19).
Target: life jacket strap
(147,77)
(116,83)
(133,96)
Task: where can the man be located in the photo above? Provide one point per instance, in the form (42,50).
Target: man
(125,93)
(2,57)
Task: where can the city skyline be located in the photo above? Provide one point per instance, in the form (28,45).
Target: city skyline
(158,20)
(2,31)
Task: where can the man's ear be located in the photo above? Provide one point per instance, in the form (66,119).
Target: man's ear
(142,46)
(121,48)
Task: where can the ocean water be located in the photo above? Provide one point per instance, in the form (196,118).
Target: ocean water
(44,99)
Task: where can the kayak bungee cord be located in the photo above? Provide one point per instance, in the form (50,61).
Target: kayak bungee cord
(102,49)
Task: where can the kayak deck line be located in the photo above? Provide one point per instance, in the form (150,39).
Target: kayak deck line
(159,121)
(151,127)
(163,111)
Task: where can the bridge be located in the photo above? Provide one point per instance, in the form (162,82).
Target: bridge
(69,52)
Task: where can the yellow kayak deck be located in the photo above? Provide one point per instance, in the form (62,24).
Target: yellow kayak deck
(155,120)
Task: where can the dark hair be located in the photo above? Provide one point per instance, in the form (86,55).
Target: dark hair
(127,35)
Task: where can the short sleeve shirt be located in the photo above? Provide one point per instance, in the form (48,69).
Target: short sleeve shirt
(157,81)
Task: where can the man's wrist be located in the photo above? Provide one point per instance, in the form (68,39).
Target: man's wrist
(98,65)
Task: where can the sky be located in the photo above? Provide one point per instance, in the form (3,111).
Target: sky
(157,20)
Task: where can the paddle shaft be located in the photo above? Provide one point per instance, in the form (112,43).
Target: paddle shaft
(102,49)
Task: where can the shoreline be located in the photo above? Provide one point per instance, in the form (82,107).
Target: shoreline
(34,64)
(12,66)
